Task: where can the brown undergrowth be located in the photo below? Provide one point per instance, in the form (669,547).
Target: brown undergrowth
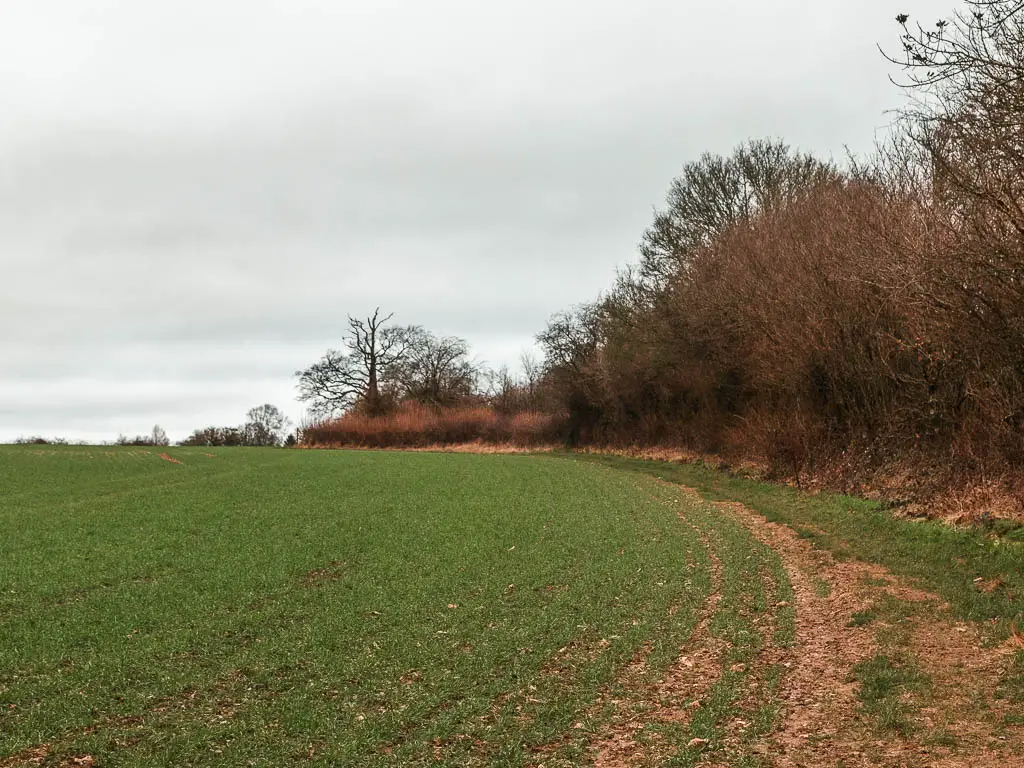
(475,446)
(914,490)
(417,426)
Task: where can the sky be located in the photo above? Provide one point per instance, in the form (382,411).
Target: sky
(194,195)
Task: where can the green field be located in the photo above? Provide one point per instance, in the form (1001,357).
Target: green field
(238,607)
(250,607)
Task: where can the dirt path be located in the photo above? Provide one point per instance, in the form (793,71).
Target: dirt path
(849,616)
(822,720)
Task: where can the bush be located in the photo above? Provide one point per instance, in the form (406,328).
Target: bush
(417,426)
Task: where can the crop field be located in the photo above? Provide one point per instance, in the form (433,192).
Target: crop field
(249,607)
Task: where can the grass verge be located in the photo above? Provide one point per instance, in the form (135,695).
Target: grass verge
(978,572)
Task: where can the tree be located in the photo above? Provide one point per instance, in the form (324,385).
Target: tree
(435,370)
(159,437)
(716,192)
(509,393)
(966,78)
(985,40)
(155,438)
(571,338)
(215,436)
(353,376)
(264,426)
(571,344)
(969,74)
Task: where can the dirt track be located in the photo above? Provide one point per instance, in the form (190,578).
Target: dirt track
(957,721)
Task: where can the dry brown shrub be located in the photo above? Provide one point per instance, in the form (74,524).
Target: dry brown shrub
(417,426)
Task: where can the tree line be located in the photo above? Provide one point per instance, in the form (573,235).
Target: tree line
(833,319)
(265,426)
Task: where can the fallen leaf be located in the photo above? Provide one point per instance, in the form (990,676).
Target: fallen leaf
(1018,636)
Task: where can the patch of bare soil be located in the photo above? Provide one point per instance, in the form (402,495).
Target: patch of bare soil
(958,721)
(822,722)
(27,757)
(38,756)
(333,571)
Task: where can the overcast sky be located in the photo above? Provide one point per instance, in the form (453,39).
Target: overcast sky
(194,194)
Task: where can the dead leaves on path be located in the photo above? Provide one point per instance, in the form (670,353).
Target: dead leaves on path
(1017,635)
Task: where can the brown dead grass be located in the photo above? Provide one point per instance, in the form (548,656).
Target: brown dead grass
(418,426)
(333,571)
(482,447)
(27,757)
(40,755)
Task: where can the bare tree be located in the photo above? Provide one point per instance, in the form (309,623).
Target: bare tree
(965,118)
(571,338)
(435,370)
(514,392)
(533,375)
(968,75)
(155,438)
(215,437)
(984,38)
(715,192)
(352,376)
(159,437)
(264,426)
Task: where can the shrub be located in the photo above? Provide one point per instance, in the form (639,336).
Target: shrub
(416,426)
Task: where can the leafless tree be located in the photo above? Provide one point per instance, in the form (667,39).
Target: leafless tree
(159,437)
(533,374)
(352,376)
(571,338)
(715,192)
(435,370)
(985,37)
(264,426)
(215,437)
(510,392)
(968,115)
(155,438)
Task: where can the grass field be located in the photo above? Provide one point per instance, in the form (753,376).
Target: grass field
(265,607)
